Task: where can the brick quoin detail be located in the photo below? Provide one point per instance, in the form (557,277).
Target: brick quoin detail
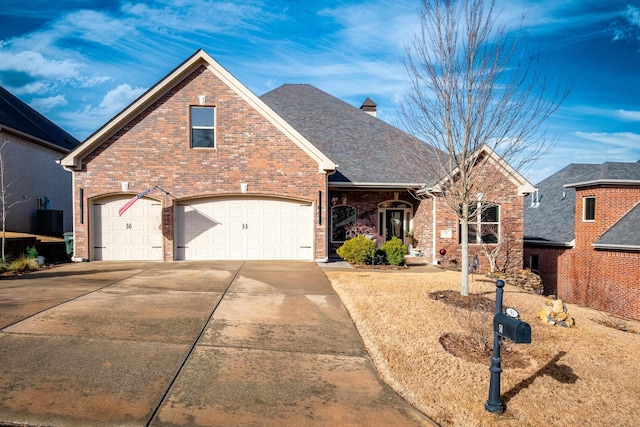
(154,149)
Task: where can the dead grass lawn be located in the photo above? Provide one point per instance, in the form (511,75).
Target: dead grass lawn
(584,376)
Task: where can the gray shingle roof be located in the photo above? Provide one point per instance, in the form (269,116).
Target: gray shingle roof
(17,115)
(552,222)
(623,234)
(366,149)
(608,172)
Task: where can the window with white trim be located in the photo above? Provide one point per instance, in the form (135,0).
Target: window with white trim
(485,226)
(203,132)
(589,208)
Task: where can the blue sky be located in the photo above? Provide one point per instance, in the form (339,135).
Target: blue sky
(80,62)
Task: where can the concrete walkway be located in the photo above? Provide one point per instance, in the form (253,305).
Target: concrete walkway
(186,344)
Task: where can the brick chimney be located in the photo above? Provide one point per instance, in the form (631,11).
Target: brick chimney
(369,107)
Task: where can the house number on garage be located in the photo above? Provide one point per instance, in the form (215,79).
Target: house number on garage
(129,227)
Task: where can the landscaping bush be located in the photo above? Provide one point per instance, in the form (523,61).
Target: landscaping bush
(23,264)
(394,251)
(358,250)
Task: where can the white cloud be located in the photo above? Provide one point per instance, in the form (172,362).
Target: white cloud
(628,115)
(633,15)
(371,27)
(35,65)
(89,118)
(93,26)
(628,140)
(47,104)
(117,99)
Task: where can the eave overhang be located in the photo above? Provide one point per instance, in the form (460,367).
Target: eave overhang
(536,242)
(33,139)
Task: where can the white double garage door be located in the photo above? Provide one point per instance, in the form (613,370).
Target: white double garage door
(205,229)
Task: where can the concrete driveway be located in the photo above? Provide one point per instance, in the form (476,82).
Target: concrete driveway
(186,344)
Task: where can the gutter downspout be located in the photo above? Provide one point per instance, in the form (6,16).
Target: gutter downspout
(434,260)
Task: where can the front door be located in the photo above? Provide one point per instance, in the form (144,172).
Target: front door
(395,224)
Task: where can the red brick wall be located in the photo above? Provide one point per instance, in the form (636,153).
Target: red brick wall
(366,204)
(603,279)
(553,263)
(154,149)
(496,188)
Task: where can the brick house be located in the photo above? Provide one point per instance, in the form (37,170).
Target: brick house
(31,146)
(236,176)
(582,235)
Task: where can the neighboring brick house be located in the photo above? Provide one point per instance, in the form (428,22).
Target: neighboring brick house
(582,235)
(245,177)
(37,187)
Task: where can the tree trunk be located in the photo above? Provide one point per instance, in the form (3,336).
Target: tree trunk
(464,240)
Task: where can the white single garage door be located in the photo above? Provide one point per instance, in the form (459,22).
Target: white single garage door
(136,235)
(244,228)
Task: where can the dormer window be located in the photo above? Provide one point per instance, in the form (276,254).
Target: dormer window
(589,208)
(203,133)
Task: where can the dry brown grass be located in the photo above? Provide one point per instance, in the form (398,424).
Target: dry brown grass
(584,376)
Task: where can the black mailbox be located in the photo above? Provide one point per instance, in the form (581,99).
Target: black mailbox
(512,329)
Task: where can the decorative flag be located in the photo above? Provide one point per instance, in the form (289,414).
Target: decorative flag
(135,198)
(126,206)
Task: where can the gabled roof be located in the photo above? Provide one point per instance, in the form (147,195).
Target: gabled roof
(199,58)
(552,221)
(19,119)
(368,151)
(488,154)
(624,234)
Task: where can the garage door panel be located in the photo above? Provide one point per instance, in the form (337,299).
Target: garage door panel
(136,235)
(249,228)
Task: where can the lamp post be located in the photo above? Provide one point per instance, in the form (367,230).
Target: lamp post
(494,404)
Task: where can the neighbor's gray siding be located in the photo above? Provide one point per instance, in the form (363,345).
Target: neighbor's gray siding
(31,172)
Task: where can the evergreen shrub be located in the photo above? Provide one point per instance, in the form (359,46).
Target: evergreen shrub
(394,251)
(358,250)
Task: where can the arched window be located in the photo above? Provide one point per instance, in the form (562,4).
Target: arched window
(341,216)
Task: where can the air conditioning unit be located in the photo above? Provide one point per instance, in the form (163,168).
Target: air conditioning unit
(49,221)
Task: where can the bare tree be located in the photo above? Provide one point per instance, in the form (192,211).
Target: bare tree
(474,90)
(506,252)
(5,197)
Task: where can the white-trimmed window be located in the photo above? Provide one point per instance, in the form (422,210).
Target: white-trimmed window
(341,217)
(203,130)
(485,226)
(589,208)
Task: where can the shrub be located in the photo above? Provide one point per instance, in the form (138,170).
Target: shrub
(358,250)
(394,251)
(23,264)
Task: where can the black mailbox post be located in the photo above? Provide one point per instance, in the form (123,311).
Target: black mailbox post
(510,328)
